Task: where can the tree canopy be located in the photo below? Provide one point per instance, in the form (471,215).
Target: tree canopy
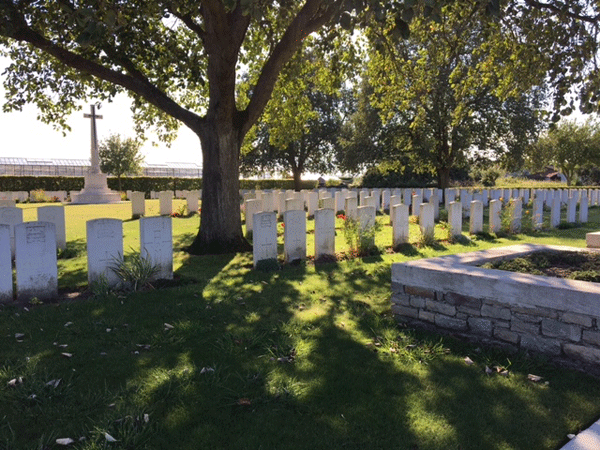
(120,156)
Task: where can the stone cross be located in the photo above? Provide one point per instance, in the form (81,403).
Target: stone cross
(95,155)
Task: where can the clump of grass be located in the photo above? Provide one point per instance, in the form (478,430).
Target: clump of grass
(135,272)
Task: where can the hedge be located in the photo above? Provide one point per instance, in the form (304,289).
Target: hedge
(143,184)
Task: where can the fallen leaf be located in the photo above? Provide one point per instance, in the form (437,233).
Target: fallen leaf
(54,383)
(19,335)
(63,345)
(534,378)
(488,370)
(67,355)
(168,326)
(207,370)
(146,418)
(68,324)
(571,436)
(109,438)
(469,361)
(108,330)
(504,373)
(244,402)
(65,441)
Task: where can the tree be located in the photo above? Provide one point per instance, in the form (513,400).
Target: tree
(120,156)
(179,61)
(299,129)
(441,91)
(568,146)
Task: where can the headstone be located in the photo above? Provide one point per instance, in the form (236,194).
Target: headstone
(426,223)
(571,209)
(485,197)
(407,197)
(327,203)
(340,198)
(156,244)
(394,200)
(537,218)
(351,209)
(476,219)
(324,233)
(455,219)
(6,284)
(294,204)
(56,215)
(313,202)
(583,208)
(495,222)
(165,199)
(370,201)
(294,235)
(251,207)
(385,200)
(11,217)
(466,197)
(555,211)
(416,204)
(400,229)
(192,199)
(362,195)
(35,261)
(366,221)
(268,203)
(449,196)
(376,194)
(434,200)
(6,203)
(516,214)
(264,237)
(104,249)
(138,204)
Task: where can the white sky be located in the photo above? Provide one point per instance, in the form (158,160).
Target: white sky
(22,135)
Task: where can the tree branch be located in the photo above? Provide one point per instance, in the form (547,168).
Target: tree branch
(555,9)
(313,15)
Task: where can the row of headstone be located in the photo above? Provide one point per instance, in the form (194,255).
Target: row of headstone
(35,257)
(138,202)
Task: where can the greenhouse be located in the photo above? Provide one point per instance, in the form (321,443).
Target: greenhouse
(79,167)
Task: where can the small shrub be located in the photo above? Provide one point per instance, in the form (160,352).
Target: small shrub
(361,242)
(38,196)
(67,253)
(135,272)
(100,288)
(181,212)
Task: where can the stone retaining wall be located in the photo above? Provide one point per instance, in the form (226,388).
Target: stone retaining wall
(553,316)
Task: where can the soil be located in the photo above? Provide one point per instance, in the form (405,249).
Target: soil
(573,265)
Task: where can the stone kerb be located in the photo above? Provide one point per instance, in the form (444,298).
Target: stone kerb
(104,249)
(35,261)
(156,244)
(6,285)
(554,316)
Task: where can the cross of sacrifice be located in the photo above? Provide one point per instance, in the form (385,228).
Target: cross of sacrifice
(94,149)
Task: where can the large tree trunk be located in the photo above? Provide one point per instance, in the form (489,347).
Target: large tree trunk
(220,219)
(443,177)
(297,174)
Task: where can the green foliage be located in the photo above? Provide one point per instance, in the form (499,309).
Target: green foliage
(568,146)
(38,196)
(395,174)
(487,176)
(360,240)
(134,271)
(120,157)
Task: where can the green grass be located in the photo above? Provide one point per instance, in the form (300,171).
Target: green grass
(307,357)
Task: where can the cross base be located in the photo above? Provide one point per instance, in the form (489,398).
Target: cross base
(96,191)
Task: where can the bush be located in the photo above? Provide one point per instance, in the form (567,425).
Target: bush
(396,176)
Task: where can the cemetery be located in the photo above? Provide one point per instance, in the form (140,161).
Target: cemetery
(310,333)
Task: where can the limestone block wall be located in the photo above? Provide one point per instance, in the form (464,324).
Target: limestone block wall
(556,317)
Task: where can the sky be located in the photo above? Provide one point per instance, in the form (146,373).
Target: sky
(22,135)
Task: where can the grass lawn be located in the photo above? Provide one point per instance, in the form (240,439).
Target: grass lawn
(307,357)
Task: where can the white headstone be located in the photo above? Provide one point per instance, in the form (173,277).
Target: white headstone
(366,221)
(555,211)
(192,199)
(35,261)
(394,200)
(455,219)
(571,209)
(583,207)
(351,208)
(327,203)
(11,217)
(251,207)
(416,205)
(264,237)
(294,235)
(516,214)
(6,203)
(294,204)
(165,199)
(6,284)
(55,215)
(466,197)
(156,244)
(407,197)
(324,233)
(435,201)
(476,219)
(385,199)
(340,199)
(138,204)
(426,222)
(495,222)
(400,228)
(104,249)
(537,218)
